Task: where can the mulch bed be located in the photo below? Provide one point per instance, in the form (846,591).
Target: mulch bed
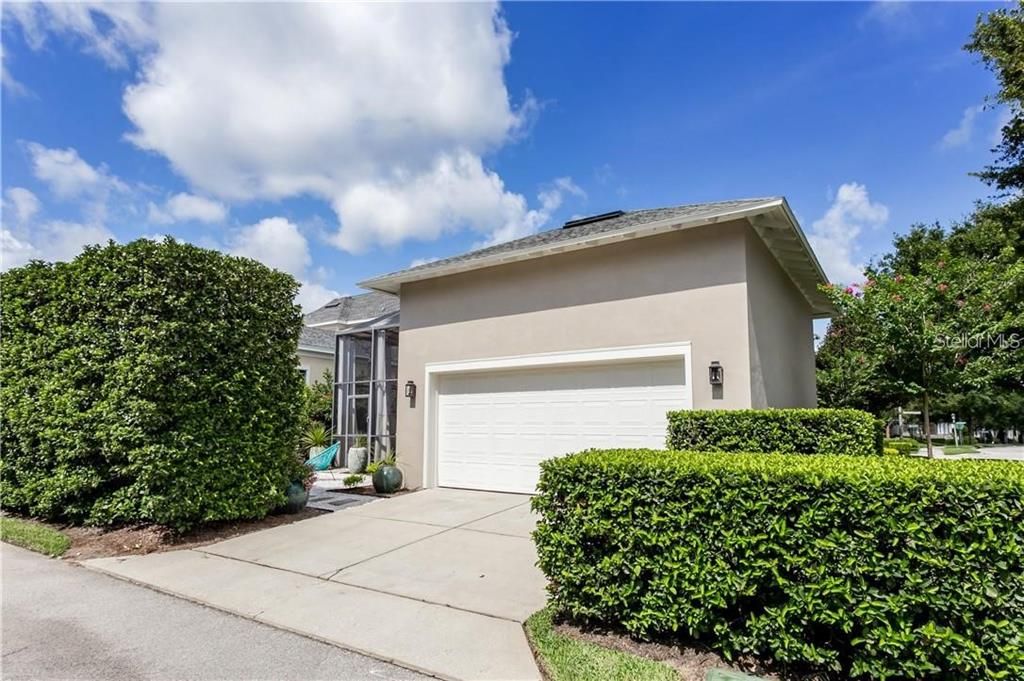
(96,542)
(693,662)
(366,492)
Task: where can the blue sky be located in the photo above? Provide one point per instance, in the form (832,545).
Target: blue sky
(340,141)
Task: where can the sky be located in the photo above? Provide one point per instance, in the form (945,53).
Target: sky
(341,141)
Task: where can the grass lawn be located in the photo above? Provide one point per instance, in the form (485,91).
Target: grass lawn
(962,449)
(566,659)
(33,536)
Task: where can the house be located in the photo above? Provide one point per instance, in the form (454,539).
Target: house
(317,340)
(316,353)
(582,336)
(348,311)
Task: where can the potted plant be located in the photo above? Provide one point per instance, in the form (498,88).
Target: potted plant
(297,493)
(387,479)
(315,439)
(357,455)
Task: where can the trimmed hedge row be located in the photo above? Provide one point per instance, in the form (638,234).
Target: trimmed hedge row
(790,431)
(904,446)
(148,382)
(871,567)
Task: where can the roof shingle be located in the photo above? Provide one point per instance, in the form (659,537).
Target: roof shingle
(316,338)
(627,219)
(347,309)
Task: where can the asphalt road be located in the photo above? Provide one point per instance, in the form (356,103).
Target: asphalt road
(62,621)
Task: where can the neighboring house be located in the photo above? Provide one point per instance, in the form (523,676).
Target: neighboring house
(316,343)
(316,353)
(348,311)
(583,336)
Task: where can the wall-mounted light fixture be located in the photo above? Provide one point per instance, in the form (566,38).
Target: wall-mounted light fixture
(716,374)
(410,390)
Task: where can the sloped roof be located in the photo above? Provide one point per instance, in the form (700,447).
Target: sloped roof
(771,218)
(319,339)
(348,309)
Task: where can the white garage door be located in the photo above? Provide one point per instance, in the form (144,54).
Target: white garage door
(494,428)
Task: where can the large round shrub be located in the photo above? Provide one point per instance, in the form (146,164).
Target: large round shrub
(148,382)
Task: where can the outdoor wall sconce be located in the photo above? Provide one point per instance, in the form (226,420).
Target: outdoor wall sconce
(410,390)
(716,373)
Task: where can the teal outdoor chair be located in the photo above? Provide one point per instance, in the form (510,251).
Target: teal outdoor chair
(323,460)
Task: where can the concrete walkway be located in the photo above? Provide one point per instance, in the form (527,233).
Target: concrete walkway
(325,497)
(1001,452)
(63,622)
(437,581)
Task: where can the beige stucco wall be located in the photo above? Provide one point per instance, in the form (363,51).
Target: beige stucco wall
(315,363)
(781,333)
(682,286)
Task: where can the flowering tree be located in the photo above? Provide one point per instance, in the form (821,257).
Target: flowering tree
(935,332)
(942,315)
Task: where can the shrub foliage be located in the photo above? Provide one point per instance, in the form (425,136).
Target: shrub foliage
(904,446)
(148,382)
(791,431)
(872,567)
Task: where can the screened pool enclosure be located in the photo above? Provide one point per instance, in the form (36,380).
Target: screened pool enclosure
(366,391)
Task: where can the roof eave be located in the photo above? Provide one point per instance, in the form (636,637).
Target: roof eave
(317,350)
(807,284)
(789,245)
(392,283)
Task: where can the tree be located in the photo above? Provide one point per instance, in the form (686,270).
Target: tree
(848,376)
(911,251)
(998,39)
(148,382)
(946,329)
(942,315)
(902,334)
(318,400)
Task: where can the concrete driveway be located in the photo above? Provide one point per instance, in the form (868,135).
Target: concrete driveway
(438,581)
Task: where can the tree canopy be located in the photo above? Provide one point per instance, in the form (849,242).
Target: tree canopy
(998,39)
(939,320)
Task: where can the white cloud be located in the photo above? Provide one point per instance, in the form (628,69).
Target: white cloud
(13,87)
(23,203)
(833,236)
(64,240)
(275,242)
(550,200)
(125,26)
(457,193)
(278,243)
(63,170)
(53,241)
(313,295)
(422,261)
(13,251)
(68,175)
(187,207)
(961,135)
(359,104)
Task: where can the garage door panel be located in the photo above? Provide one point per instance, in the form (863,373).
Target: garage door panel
(494,429)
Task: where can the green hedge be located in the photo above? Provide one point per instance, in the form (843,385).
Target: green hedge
(873,567)
(905,446)
(148,382)
(791,431)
